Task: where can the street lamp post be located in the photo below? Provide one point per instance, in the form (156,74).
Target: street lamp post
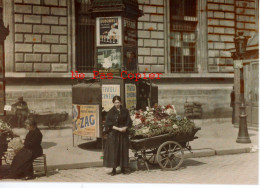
(240,44)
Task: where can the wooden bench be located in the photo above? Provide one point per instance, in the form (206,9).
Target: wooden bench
(40,162)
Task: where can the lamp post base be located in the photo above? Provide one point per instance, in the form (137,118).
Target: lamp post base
(243,140)
(243,136)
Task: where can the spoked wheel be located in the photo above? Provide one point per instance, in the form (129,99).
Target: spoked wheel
(170,155)
(150,156)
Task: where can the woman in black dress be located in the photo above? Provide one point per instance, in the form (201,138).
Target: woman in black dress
(118,122)
(21,166)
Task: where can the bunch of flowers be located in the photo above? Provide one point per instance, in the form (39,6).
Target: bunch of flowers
(4,127)
(159,120)
(15,144)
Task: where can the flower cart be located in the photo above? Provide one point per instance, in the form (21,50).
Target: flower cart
(160,136)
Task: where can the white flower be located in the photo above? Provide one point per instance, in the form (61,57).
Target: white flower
(175,126)
(133,117)
(145,130)
(147,108)
(137,122)
(170,111)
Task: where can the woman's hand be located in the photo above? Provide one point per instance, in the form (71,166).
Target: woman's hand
(123,129)
(120,129)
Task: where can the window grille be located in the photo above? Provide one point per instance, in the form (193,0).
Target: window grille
(85,26)
(183,22)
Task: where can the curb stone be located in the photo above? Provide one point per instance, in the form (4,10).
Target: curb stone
(196,153)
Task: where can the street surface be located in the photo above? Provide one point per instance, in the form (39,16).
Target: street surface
(226,169)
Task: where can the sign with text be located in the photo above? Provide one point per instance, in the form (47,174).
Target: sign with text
(85,120)
(108,92)
(130,95)
(109,31)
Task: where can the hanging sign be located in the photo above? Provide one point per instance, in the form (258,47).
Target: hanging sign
(109,31)
(85,120)
(108,92)
(130,96)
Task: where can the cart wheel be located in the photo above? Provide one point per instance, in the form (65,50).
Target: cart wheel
(170,155)
(150,156)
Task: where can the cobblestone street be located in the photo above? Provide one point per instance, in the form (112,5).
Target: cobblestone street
(227,169)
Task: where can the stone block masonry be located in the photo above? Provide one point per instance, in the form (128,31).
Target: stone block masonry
(41,36)
(225,19)
(151,36)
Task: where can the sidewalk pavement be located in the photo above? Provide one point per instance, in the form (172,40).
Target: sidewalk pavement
(216,137)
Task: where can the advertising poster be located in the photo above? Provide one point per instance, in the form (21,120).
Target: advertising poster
(130,62)
(109,60)
(108,92)
(130,95)
(85,120)
(130,32)
(109,31)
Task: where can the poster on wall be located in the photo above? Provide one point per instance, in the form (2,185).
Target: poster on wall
(130,62)
(130,32)
(130,95)
(109,31)
(108,92)
(109,60)
(85,120)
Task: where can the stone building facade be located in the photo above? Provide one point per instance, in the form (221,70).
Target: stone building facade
(189,44)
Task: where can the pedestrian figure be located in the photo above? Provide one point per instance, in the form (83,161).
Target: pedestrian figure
(22,166)
(21,111)
(117,124)
(232,104)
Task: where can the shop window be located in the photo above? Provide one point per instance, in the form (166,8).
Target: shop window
(183,23)
(85,26)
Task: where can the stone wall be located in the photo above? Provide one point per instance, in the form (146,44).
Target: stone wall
(225,19)
(41,35)
(54,98)
(151,51)
(215,99)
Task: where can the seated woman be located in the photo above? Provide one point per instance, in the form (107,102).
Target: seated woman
(22,166)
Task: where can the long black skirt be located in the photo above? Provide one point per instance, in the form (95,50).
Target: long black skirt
(116,151)
(22,164)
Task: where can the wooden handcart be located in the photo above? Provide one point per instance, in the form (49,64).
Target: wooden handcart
(167,150)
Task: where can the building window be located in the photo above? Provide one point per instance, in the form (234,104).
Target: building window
(85,26)
(183,23)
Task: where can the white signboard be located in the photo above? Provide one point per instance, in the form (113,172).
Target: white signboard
(130,96)
(108,92)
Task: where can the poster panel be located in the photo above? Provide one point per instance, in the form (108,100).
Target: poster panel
(109,60)
(85,120)
(130,32)
(109,32)
(130,62)
(108,92)
(130,95)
